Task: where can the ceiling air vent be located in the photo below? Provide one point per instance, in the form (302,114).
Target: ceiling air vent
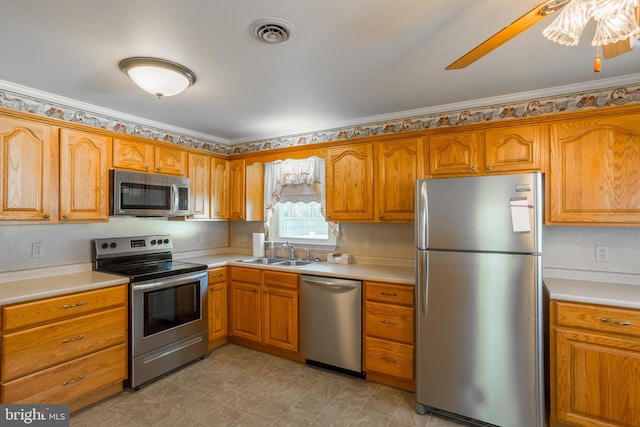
(272,30)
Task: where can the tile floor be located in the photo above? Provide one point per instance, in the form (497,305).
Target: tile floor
(236,386)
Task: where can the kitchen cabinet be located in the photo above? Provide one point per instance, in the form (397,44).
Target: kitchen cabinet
(246,190)
(28,171)
(69,349)
(350,180)
(399,166)
(513,148)
(264,307)
(595,365)
(84,176)
(389,341)
(199,190)
(218,330)
(219,188)
(594,172)
(145,157)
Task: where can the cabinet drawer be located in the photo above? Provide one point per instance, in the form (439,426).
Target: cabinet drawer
(68,381)
(389,358)
(52,309)
(217,275)
(281,280)
(389,322)
(598,318)
(247,275)
(36,348)
(386,292)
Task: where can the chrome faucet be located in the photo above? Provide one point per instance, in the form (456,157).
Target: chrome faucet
(291,249)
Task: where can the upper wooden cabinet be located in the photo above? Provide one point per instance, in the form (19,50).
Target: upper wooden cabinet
(399,166)
(199,190)
(144,157)
(594,173)
(513,148)
(84,176)
(349,184)
(28,170)
(246,190)
(219,188)
(477,152)
(454,153)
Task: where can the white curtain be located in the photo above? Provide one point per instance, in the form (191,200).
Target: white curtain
(300,180)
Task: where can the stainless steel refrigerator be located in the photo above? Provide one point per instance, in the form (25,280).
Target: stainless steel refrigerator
(479,323)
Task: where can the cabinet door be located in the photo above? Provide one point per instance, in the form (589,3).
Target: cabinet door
(399,166)
(350,183)
(595,171)
(219,188)
(280,318)
(28,170)
(217,310)
(199,190)
(454,153)
(597,379)
(132,155)
(515,148)
(236,192)
(84,176)
(245,310)
(254,192)
(169,160)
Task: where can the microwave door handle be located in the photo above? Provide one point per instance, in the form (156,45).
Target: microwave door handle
(174,199)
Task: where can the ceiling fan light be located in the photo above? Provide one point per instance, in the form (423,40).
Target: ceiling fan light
(567,28)
(618,24)
(158,76)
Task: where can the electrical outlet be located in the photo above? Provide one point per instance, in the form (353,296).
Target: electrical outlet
(602,253)
(245,237)
(202,237)
(343,241)
(37,250)
(368,243)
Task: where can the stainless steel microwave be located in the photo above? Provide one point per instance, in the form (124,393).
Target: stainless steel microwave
(146,194)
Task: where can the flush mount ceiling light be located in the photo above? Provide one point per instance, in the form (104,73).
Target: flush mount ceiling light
(159,77)
(272,30)
(615,21)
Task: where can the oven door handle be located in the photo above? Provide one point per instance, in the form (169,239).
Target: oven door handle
(169,282)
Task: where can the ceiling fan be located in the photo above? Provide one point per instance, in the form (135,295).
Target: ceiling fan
(526,21)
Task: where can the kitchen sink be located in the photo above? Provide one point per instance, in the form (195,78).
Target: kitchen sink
(262,260)
(295,263)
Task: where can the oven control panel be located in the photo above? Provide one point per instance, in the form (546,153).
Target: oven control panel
(133,245)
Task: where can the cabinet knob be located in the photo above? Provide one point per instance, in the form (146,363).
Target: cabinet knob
(46,216)
(65,216)
(473,168)
(158,169)
(489,168)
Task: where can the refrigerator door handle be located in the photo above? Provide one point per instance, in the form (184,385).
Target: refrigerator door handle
(423,280)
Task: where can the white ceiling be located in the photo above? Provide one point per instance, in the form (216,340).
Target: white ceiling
(350,60)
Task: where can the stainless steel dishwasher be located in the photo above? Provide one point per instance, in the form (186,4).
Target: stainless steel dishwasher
(330,322)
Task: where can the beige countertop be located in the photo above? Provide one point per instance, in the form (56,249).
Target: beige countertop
(12,292)
(604,293)
(35,284)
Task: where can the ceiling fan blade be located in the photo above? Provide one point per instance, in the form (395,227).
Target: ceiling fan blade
(612,50)
(507,33)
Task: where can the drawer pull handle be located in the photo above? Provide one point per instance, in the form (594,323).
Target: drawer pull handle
(78,338)
(388,294)
(388,359)
(73,381)
(387,322)
(217,275)
(80,304)
(614,322)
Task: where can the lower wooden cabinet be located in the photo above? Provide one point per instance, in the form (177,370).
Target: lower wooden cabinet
(264,307)
(595,365)
(218,318)
(70,349)
(389,341)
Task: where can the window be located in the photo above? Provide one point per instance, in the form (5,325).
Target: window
(294,203)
